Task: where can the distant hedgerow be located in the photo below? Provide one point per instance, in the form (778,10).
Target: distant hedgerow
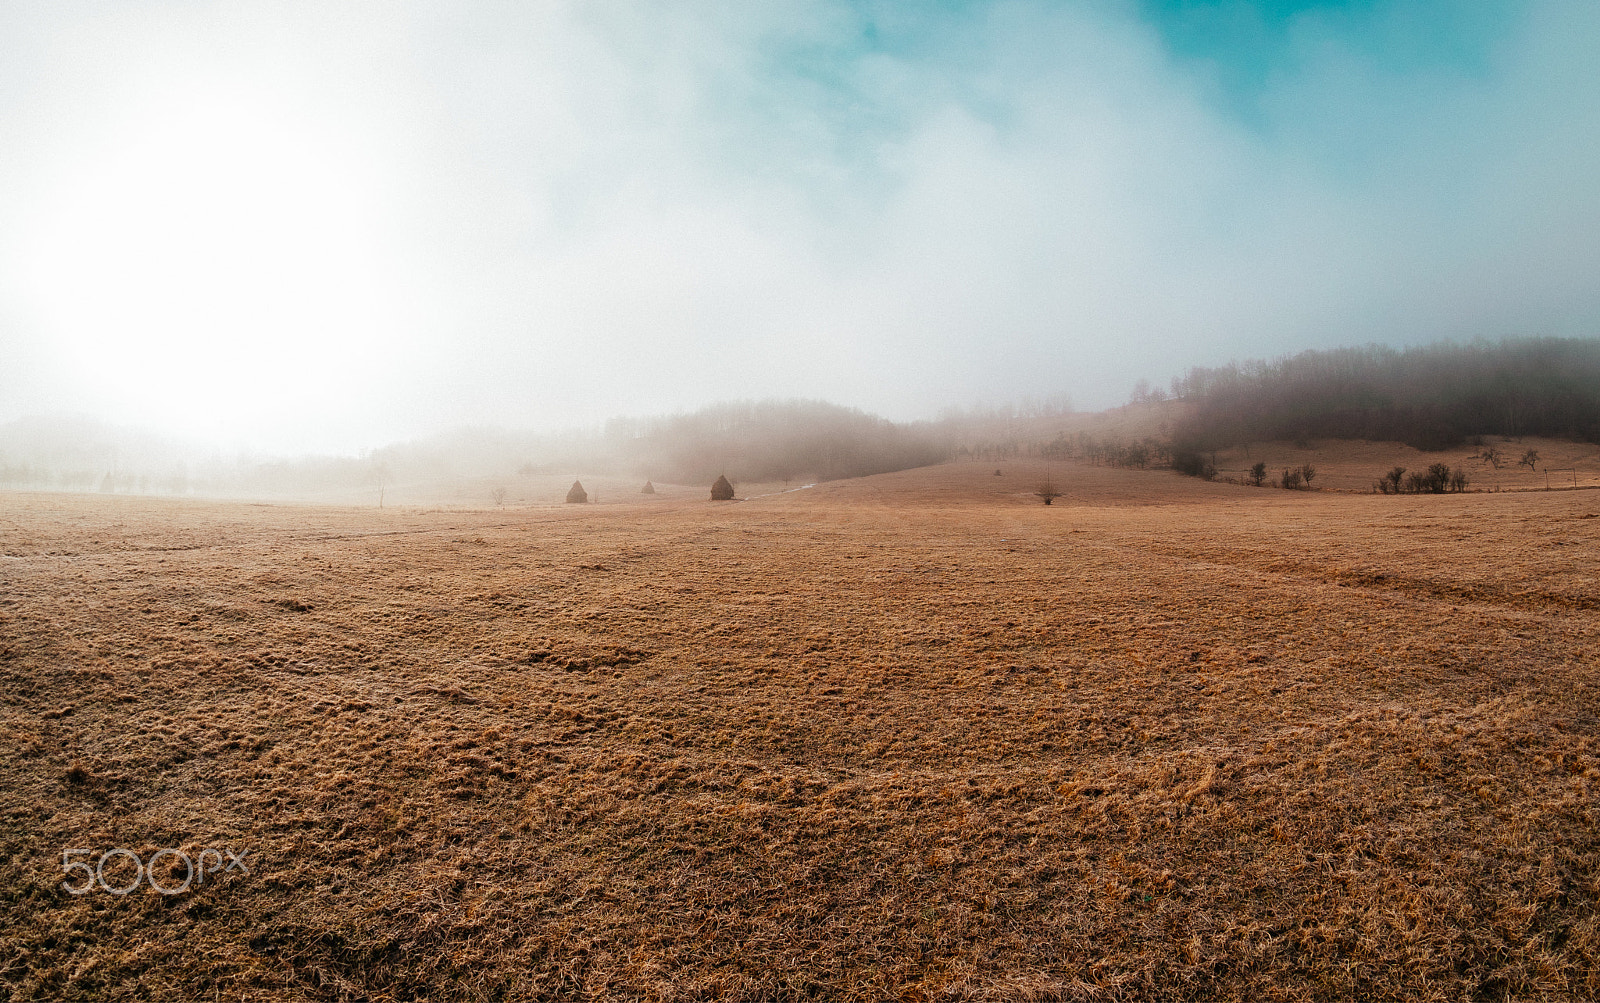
(1194,464)
(1436,480)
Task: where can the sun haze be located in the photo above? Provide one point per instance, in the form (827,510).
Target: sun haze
(799,500)
(218,266)
(315,226)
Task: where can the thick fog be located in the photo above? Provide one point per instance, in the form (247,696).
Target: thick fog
(331,226)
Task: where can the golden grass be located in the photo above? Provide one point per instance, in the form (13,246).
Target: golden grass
(915,736)
(1354,465)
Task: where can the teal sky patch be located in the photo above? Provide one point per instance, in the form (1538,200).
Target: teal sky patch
(1249,47)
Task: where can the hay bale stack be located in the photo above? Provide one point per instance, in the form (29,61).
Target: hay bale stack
(577,495)
(722,490)
(648,489)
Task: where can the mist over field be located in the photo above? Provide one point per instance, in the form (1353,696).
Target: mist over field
(802,500)
(1429,397)
(757,441)
(301,228)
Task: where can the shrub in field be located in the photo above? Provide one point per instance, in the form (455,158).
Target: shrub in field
(1291,480)
(1389,483)
(1438,478)
(1258,473)
(1194,464)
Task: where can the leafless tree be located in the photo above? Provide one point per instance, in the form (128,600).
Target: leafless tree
(378,475)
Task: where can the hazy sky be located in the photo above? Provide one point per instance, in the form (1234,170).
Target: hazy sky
(329,225)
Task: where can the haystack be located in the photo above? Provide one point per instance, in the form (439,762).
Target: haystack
(648,489)
(577,494)
(722,490)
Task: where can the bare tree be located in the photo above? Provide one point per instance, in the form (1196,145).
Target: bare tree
(1529,459)
(499,496)
(1307,471)
(1048,492)
(1438,478)
(1258,473)
(378,476)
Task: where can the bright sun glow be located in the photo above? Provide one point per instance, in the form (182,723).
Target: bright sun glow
(217,270)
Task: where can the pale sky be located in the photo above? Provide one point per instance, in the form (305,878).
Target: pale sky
(332,225)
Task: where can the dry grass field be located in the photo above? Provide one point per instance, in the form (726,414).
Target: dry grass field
(1353,466)
(915,736)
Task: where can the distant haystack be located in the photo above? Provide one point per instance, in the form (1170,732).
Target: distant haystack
(648,489)
(722,490)
(577,495)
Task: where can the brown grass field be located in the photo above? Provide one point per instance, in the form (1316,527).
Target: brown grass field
(914,736)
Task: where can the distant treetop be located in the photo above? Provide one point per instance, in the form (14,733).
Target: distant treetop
(1432,397)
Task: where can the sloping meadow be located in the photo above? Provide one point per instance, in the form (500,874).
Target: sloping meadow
(914,736)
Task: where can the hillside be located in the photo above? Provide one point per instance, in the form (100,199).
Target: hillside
(1430,398)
